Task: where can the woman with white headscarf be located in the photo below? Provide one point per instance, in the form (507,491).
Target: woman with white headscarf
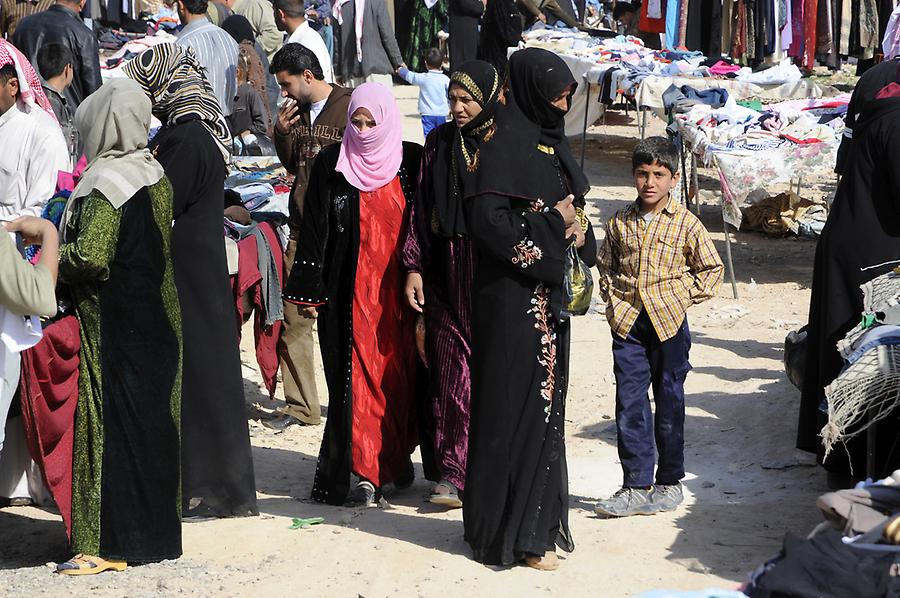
(117,269)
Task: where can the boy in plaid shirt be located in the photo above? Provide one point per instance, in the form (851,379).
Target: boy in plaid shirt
(656,261)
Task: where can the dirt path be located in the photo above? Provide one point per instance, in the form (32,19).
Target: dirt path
(746,484)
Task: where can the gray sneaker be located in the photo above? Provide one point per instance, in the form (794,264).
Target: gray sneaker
(667,497)
(627,502)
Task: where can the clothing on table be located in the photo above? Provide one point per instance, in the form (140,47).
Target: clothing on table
(865,206)
(857,510)
(59,24)
(34,148)
(65,117)
(433,87)
(464,16)
(661,268)
(380,52)
(345,233)
(824,565)
(261,16)
(297,152)
(217,52)
(307,37)
(642,360)
(501,29)
(13,11)
(516,499)
(428,18)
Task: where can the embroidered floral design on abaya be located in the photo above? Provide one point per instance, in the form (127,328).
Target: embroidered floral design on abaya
(527,253)
(547,357)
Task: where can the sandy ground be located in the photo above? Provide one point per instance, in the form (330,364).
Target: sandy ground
(746,484)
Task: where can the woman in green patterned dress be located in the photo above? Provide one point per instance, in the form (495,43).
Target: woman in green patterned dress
(116,265)
(426,23)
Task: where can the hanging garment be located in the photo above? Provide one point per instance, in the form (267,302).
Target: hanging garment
(651,25)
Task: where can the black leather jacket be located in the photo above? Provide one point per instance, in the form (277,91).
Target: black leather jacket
(61,25)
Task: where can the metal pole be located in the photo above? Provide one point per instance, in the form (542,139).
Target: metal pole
(587,102)
(728,261)
(684,183)
(695,177)
(643,121)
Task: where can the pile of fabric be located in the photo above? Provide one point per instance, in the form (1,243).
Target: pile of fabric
(255,245)
(868,389)
(784,214)
(750,127)
(855,552)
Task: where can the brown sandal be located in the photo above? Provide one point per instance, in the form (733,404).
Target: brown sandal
(548,562)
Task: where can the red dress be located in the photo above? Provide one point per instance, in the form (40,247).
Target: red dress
(383,351)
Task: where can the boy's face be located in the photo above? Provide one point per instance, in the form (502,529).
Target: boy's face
(654,182)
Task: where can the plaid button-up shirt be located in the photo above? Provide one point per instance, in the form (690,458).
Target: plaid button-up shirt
(663,267)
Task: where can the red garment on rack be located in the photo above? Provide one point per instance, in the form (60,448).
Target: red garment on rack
(648,25)
(248,280)
(810,12)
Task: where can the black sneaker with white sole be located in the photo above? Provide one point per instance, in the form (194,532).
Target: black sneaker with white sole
(667,497)
(627,502)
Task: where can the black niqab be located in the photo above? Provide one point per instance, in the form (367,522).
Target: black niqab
(529,119)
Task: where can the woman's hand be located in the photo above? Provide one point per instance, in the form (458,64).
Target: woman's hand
(309,312)
(566,209)
(415,291)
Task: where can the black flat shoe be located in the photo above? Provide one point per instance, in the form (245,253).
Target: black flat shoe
(407,479)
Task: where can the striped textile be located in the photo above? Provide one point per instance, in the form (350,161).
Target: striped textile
(174,80)
(662,267)
(218,53)
(13,11)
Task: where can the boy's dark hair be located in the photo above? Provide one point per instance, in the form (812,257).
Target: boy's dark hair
(196,7)
(7,72)
(434,58)
(52,60)
(296,58)
(654,150)
(292,8)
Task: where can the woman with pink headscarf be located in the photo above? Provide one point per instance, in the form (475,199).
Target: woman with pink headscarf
(347,273)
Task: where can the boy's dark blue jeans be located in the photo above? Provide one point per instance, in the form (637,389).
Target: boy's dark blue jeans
(640,361)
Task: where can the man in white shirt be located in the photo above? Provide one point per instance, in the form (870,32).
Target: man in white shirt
(34,150)
(215,49)
(290,16)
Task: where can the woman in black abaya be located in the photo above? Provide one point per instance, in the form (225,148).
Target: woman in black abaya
(216,462)
(522,222)
(863,230)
